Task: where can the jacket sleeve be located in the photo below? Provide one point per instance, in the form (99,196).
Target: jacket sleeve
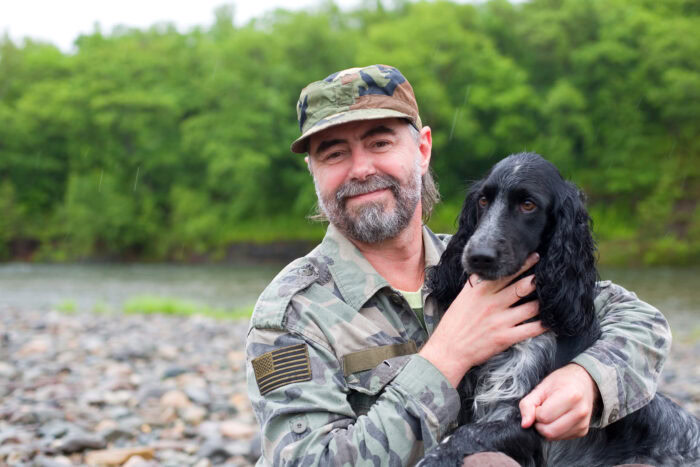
(312,423)
(627,359)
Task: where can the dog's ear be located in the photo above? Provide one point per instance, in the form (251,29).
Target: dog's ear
(566,273)
(448,277)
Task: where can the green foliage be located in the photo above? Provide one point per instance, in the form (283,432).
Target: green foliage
(154,144)
(172,306)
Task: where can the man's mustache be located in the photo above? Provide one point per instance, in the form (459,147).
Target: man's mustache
(373,183)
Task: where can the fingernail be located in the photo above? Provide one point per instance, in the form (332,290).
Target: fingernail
(537,256)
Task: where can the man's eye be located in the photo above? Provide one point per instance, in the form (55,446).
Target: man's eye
(528,206)
(381,144)
(332,156)
(483,202)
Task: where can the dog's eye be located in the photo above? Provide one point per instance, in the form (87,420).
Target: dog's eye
(483,202)
(528,206)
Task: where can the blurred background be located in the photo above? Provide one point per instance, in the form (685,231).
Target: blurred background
(169,142)
(144,153)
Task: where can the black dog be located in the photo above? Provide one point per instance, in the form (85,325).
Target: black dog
(524,205)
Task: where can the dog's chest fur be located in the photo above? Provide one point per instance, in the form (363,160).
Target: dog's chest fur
(493,390)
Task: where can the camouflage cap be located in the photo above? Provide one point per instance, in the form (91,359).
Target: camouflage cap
(369,93)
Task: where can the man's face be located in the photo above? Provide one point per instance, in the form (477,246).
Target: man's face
(368,176)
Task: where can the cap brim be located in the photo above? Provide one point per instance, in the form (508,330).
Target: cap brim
(299,146)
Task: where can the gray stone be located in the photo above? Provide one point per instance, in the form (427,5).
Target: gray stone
(7,371)
(173,371)
(238,448)
(151,391)
(132,351)
(94,397)
(214,450)
(79,442)
(57,428)
(113,434)
(198,395)
(38,414)
(45,461)
(117,412)
(172,458)
(14,435)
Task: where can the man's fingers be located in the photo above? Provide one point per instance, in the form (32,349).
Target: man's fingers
(567,427)
(529,404)
(527,414)
(520,313)
(525,331)
(475,284)
(556,405)
(517,290)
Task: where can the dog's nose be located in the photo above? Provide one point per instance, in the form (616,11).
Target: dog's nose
(482,258)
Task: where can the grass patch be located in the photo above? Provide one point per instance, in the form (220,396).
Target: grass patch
(172,306)
(67,306)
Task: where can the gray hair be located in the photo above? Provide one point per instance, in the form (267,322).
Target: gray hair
(430,195)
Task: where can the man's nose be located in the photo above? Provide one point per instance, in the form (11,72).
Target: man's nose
(362,164)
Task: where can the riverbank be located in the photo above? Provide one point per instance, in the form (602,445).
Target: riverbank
(155,390)
(271,249)
(91,388)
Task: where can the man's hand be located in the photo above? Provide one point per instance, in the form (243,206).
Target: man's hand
(562,404)
(479,323)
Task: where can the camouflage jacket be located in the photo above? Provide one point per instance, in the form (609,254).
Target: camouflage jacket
(334,378)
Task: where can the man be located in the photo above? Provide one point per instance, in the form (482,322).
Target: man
(349,359)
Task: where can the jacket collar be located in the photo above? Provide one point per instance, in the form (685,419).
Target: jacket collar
(354,276)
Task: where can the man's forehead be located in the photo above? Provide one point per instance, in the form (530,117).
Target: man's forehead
(353,129)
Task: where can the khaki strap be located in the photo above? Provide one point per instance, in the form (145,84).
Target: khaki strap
(370,358)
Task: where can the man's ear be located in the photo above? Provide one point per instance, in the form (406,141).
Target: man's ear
(308,164)
(425,146)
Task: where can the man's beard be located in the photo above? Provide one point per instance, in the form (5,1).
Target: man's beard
(369,223)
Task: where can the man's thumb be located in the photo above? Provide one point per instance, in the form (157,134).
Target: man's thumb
(529,404)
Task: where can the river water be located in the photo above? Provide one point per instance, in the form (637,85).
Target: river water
(85,287)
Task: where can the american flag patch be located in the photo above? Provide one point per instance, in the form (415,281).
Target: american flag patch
(281,367)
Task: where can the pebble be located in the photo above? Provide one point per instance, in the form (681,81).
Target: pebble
(56,429)
(193,414)
(168,352)
(37,345)
(118,456)
(174,371)
(198,395)
(117,433)
(175,398)
(45,461)
(7,371)
(79,442)
(137,461)
(203,463)
(236,430)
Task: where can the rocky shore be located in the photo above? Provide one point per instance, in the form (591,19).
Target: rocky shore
(111,389)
